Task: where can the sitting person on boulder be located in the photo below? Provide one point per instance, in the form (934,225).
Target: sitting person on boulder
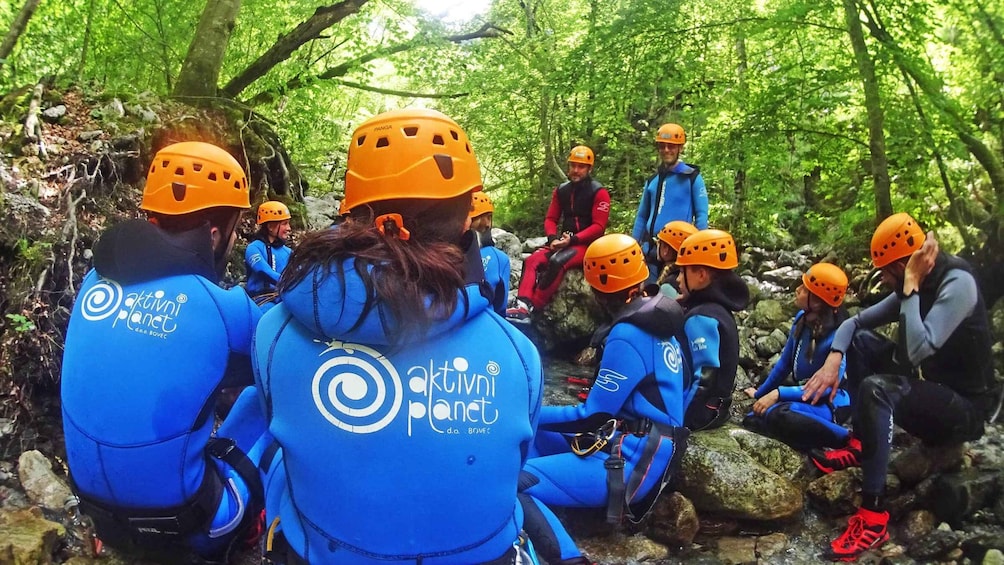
(710,291)
(779,411)
(581,208)
(670,238)
(943,337)
(151,343)
(619,448)
(493,259)
(267,255)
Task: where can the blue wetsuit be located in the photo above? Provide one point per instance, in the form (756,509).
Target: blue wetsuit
(497,267)
(800,424)
(151,341)
(641,381)
(264,263)
(714,345)
(397,454)
(674,193)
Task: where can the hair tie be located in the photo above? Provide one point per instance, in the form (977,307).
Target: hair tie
(394,224)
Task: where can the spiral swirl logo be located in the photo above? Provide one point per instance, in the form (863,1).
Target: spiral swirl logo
(671,356)
(358,390)
(101,300)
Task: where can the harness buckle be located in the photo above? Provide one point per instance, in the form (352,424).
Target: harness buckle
(220,447)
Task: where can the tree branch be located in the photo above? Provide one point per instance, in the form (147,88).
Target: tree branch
(403,93)
(323,18)
(486,31)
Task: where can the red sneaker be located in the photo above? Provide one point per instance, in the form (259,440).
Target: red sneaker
(838,459)
(865,530)
(518,313)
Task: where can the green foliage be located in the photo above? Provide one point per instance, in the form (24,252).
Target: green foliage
(32,254)
(768,92)
(20,323)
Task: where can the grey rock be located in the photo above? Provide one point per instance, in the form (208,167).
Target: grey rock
(673,521)
(41,485)
(720,477)
(54,113)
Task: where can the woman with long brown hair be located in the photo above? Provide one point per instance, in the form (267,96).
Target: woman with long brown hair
(402,406)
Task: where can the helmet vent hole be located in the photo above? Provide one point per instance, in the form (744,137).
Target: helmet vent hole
(165,163)
(360,140)
(197,167)
(178,189)
(909,241)
(383,142)
(411,131)
(603,279)
(180,171)
(237,184)
(722,256)
(226,175)
(212,176)
(438,140)
(454,135)
(445,164)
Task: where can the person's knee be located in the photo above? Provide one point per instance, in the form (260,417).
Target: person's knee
(879,389)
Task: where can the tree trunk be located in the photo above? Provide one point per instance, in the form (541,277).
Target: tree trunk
(17,28)
(200,73)
(873,105)
(947,107)
(738,214)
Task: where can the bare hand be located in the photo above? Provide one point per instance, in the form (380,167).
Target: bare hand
(766,401)
(750,392)
(920,264)
(561,242)
(827,377)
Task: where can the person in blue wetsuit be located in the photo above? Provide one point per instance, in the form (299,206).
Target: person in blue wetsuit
(151,342)
(943,388)
(402,405)
(670,238)
(620,447)
(495,262)
(267,254)
(779,410)
(675,192)
(710,291)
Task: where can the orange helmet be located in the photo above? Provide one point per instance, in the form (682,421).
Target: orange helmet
(896,237)
(272,211)
(675,232)
(414,153)
(827,281)
(614,262)
(581,154)
(671,133)
(191,176)
(710,248)
(481,204)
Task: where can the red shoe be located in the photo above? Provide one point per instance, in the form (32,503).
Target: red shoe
(517,313)
(865,530)
(838,459)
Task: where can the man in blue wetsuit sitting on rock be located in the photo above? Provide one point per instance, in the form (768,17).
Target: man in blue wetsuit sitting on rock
(151,342)
(619,448)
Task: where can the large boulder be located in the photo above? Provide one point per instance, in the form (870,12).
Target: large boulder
(720,477)
(572,316)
